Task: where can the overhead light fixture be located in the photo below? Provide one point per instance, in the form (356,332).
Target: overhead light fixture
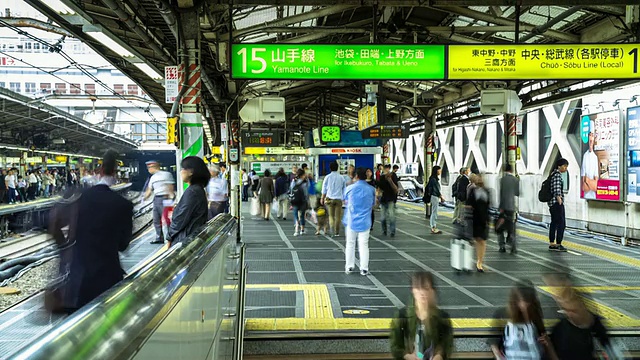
(145,68)
(109,43)
(59,7)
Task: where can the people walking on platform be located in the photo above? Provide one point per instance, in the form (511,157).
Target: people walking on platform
(293,174)
(100,223)
(299,198)
(311,189)
(521,326)
(378,172)
(217,192)
(556,207)
(46,181)
(388,185)
(509,190)
(282,194)
(255,181)
(333,187)
(434,196)
(372,181)
(3,185)
(33,185)
(11,184)
(421,330)
(359,201)
(459,192)
(161,187)
(22,189)
(351,176)
(266,193)
(246,184)
(190,214)
(478,203)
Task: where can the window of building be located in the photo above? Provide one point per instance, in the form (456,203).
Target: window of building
(118,89)
(36,47)
(27,47)
(90,89)
(61,88)
(136,131)
(30,87)
(14,86)
(45,88)
(75,89)
(154,132)
(3,84)
(132,89)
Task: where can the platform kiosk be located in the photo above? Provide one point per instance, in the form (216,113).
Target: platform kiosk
(351,149)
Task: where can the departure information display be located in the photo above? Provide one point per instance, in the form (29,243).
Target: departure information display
(337,61)
(261,138)
(434,62)
(386,131)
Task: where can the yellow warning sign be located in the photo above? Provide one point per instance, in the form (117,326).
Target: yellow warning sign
(367,117)
(554,61)
(355,312)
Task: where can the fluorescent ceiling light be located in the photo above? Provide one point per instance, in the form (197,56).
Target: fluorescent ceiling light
(148,70)
(109,43)
(59,7)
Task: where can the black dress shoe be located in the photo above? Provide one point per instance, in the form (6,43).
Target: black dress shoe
(156,242)
(502,250)
(480,270)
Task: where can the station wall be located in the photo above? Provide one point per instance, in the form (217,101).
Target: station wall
(549,133)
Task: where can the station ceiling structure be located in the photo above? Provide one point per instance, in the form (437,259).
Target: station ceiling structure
(31,124)
(147,31)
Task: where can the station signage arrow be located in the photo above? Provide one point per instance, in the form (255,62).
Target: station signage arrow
(434,62)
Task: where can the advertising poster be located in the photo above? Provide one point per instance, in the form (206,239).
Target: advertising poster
(600,168)
(633,154)
(260,166)
(408,169)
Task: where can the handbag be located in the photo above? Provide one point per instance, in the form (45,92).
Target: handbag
(499,223)
(255,206)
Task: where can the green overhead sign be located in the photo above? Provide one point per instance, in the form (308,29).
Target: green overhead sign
(337,61)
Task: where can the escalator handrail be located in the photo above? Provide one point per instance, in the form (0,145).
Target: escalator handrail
(116,323)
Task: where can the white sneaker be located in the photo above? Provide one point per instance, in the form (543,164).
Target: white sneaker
(296,233)
(302,232)
(348,271)
(364,272)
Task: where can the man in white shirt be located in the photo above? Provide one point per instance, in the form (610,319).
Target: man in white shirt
(217,193)
(10,181)
(333,188)
(161,186)
(590,170)
(246,183)
(33,185)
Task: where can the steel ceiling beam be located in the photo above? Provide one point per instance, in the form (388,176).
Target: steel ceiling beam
(539,30)
(559,35)
(309,15)
(36,24)
(417,3)
(607,30)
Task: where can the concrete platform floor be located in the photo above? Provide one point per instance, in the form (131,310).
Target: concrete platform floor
(298,283)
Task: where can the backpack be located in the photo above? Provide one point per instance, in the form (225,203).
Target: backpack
(296,195)
(545,194)
(427,193)
(454,187)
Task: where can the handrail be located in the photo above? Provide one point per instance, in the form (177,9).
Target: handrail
(116,323)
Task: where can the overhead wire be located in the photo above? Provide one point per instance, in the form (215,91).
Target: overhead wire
(58,49)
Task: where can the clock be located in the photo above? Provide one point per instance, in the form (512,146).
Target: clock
(329,134)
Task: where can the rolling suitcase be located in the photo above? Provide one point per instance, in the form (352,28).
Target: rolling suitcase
(461,255)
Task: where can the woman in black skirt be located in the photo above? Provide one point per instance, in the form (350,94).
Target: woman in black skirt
(478,202)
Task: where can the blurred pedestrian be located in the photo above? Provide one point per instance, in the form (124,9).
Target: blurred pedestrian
(190,214)
(246,183)
(160,185)
(509,190)
(267,192)
(556,207)
(372,181)
(333,187)
(388,186)
(100,225)
(435,197)
(11,183)
(459,192)
(217,192)
(282,194)
(521,326)
(359,200)
(478,204)
(421,330)
(299,198)
(255,181)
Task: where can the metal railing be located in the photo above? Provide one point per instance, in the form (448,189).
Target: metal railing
(182,294)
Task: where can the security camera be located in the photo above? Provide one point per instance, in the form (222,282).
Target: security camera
(371,99)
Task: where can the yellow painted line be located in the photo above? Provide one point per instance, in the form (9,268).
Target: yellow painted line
(295,324)
(593,289)
(605,254)
(317,303)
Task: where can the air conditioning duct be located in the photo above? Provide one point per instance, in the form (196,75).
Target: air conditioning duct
(499,102)
(264,109)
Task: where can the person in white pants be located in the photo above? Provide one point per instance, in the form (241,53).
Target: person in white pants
(359,200)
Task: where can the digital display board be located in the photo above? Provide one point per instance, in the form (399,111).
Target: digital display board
(337,61)
(329,134)
(600,168)
(367,117)
(261,138)
(386,131)
(542,61)
(633,154)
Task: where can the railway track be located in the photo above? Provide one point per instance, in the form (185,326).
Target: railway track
(23,246)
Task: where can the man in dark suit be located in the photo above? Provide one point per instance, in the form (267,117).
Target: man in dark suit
(101,224)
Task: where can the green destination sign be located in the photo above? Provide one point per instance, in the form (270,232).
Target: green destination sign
(337,61)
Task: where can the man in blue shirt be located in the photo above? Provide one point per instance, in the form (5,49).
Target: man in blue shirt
(360,199)
(333,188)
